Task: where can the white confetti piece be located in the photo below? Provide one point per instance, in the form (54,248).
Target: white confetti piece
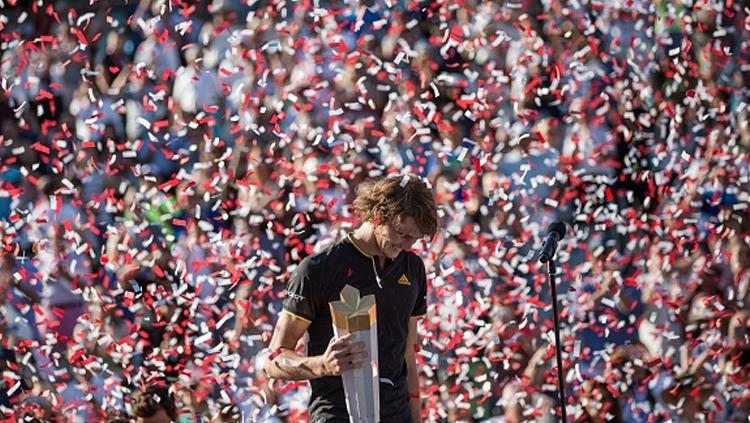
(14,388)
(202,339)
(224,319)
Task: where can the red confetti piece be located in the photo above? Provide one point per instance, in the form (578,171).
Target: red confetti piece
(79,34)
(41,148)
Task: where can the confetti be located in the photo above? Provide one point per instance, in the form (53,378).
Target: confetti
(161,176)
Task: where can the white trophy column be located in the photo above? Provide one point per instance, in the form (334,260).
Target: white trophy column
(350,387)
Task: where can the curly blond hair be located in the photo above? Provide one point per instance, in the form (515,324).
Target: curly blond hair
(388,198)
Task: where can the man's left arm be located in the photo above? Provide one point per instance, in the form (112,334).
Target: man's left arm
(412,371)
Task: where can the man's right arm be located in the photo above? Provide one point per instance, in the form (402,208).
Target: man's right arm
(285,364)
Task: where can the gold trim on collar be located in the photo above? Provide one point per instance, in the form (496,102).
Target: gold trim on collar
(372,258)
(354,244)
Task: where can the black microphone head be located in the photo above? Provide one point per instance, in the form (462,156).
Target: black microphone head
(559,228)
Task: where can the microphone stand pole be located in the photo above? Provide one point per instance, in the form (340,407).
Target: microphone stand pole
(551,273)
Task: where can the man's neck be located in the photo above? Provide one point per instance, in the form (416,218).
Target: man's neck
(364,236)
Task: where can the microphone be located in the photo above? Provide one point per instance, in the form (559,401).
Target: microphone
(555,233)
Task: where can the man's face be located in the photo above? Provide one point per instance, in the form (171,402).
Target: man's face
(161,416)
(397,235)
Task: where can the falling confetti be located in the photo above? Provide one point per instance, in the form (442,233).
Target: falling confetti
(165,165)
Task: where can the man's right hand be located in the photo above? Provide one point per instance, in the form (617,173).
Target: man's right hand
(342,354)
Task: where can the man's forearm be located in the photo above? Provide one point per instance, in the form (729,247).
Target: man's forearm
(415,399)
(415,406)
(288,365)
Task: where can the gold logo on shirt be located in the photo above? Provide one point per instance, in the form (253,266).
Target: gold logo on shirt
(403,280)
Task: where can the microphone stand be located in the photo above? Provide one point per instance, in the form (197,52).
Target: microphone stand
(551,273)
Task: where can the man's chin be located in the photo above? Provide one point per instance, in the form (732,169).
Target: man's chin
(390,252)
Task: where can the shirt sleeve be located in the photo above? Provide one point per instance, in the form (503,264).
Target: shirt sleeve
(420,306)
(302,292)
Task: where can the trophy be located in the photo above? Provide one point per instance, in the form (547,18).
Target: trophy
(357,315)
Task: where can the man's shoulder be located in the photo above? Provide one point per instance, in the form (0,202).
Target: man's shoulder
(413,258)
(330,255)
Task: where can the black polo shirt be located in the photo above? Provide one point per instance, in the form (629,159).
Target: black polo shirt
(402,294)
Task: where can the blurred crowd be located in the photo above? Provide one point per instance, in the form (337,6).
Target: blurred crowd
(164,165)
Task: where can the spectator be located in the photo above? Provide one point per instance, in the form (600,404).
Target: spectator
(164,164)
(154,404)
